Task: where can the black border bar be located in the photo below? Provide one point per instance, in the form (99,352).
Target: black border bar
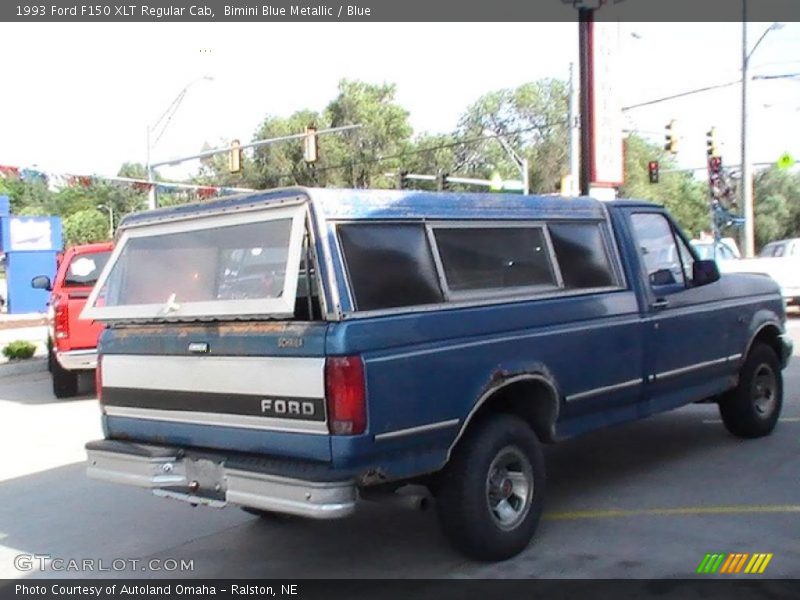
(408,589)
(278,11)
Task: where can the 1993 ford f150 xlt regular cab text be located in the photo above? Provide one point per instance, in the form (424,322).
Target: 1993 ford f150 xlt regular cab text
(294,350)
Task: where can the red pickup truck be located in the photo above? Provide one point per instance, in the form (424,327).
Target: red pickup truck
(72,343)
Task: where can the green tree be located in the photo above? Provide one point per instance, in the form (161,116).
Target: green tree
(771,219)
(85,226)
(777,205)
(532,118)
(360,155)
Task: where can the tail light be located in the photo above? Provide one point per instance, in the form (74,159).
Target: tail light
(61,318)
(346,395)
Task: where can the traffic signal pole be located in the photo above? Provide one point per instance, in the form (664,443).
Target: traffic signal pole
(215,151)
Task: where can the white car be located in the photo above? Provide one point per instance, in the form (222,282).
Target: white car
(780,260)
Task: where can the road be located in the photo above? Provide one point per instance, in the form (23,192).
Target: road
(645,500)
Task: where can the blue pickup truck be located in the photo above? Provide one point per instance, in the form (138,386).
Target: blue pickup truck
(298,350)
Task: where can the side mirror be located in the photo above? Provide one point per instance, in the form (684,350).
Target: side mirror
(41,282)
(705,272)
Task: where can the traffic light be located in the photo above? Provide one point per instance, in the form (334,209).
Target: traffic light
(310,148)
(235,157)
(715,165)
(652,170)
(402,182)
(671,144)
(441,181)
(712,149)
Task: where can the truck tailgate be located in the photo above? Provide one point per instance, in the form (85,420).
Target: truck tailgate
(244,387)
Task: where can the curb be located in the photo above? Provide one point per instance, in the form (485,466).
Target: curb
(24,367)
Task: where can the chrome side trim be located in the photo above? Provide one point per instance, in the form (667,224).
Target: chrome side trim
(219,419)
(733,357)
(415,430)
(689,368)
(604,389)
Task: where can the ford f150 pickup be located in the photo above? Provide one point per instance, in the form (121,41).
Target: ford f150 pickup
(297,350)
(71,342)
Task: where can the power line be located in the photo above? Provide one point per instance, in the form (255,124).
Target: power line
(682,94)
(433,148)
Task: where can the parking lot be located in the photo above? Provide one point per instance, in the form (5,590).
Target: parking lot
(645,500)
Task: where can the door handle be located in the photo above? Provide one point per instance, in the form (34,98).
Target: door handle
(660,303)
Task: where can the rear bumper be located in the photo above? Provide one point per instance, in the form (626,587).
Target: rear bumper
(217,480)
(77,360)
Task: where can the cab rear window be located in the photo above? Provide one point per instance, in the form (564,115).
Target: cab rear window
(84,269)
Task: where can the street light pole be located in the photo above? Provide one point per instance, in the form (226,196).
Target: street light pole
(522,163)
(110,210)
(152,196)
(748,205)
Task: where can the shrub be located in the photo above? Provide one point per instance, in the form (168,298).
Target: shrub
(19,349)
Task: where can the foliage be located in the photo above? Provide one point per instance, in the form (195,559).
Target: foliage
(684,196)
(532,118)
(19,349)
(777,205)
(85,226)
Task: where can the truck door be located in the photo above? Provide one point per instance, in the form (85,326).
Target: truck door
(688,328)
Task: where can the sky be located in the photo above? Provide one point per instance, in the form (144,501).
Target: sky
(78,98)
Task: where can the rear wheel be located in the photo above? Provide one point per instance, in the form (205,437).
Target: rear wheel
(490,495)
(65,383)
(752,409)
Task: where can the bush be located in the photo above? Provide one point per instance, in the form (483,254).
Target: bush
(19,349)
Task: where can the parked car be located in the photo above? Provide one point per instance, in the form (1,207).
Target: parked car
(71,342)
(410,337)
(780,248)
(781,261)
(710,250)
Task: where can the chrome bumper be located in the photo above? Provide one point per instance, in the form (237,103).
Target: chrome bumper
(77,360)
(210,482)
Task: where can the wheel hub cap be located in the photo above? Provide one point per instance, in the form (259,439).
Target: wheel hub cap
(509,487)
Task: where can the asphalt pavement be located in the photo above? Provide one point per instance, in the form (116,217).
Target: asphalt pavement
(643,500)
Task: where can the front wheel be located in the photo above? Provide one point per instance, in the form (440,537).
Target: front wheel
(752,409)
(490,496)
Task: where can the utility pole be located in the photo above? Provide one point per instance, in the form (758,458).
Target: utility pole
(746,174)
(585,23)
(574,132)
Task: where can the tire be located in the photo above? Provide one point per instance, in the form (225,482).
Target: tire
(751,410)
(65,383)
(484,513)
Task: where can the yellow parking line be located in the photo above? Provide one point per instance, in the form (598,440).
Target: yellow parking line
(670,512)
